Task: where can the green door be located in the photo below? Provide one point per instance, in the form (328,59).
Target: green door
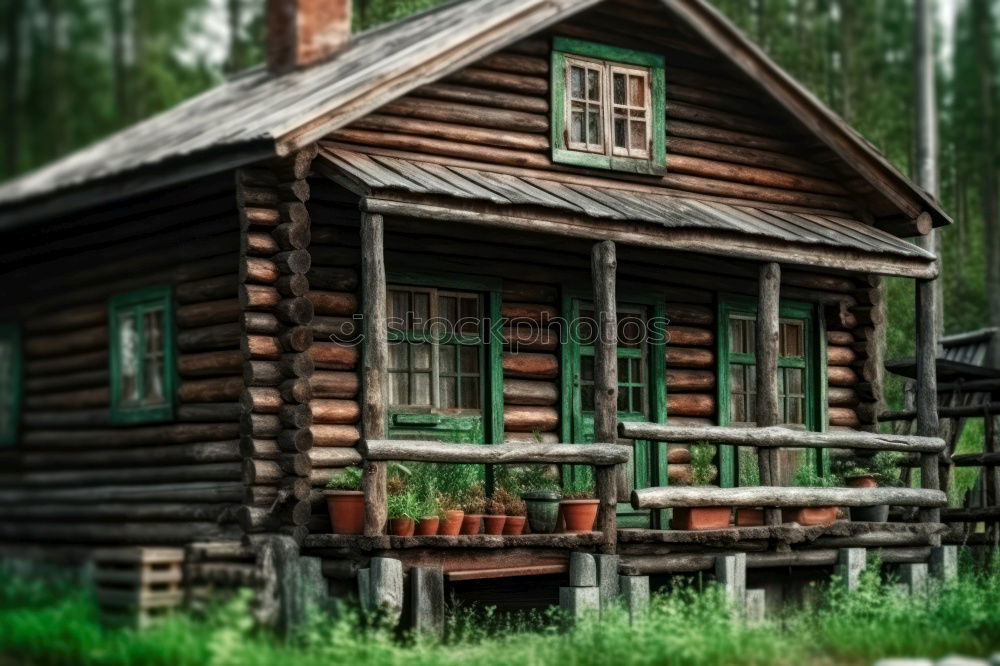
(640,381)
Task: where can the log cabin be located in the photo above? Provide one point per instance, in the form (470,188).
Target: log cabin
(196,333)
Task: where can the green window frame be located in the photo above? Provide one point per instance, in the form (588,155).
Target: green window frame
(10,383)
(812,363)
(142,367)
(604,63)
(455,424)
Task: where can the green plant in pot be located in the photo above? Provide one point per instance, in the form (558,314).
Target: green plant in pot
(540,492)
(474,501)
(345,502)
(404,508)
(703,472)
(881,469)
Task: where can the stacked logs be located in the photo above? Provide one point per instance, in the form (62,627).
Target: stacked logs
(277,315)
(335,350)
(497,111)
(853,350)
(530,362)
(83,479)
(691,378)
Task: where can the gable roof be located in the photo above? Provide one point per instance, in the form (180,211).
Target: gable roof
(259,114)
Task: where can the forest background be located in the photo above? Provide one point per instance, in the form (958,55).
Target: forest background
(77,70)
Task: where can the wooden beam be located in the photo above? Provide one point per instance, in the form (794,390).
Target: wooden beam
(663,497)
(781,437)
(768,306)
(609,482)
(927,415)
(492,454)
(375,364)
(906,227)
(965,411)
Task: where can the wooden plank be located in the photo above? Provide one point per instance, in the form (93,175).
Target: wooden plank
(443,452)
(782,437)
(375,364)
(511,572)
(775,496)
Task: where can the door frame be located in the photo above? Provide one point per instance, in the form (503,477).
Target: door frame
(569,365)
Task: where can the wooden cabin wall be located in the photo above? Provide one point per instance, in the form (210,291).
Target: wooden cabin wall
(533,277)
(723,138)
(75,477)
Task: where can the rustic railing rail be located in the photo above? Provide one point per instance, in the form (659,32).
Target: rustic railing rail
(603,457)
(773,496)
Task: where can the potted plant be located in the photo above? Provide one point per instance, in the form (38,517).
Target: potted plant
(345,502)
(579,506)
(475,505)
(451,514)
(541,499)
(496,515)
(403,506)
(514,509)
(811,515)
(702,474)
(880,469)
(430,518)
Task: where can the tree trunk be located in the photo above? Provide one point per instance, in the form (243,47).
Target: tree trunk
(12,86)
(987,68)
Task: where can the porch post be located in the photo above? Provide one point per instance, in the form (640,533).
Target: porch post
(927,406)
(768,298)
(374,367)
(608,480)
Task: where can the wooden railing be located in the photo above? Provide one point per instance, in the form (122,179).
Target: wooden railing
(776,497)
(603,457)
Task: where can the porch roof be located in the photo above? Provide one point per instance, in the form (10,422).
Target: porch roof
(377,175)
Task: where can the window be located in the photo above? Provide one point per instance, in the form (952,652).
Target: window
(435,349)
(632,362)
(607,107)
(801,369)
(142,356)
(10,382)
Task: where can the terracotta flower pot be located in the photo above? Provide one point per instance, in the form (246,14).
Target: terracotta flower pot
(401,527)
(347,511)
(494,524)
(702,518)
(749,517)
(471,522)
(810,515)
(579,514)
(427,526)
(514,525)
(452,523)
(877,513)
(862,481)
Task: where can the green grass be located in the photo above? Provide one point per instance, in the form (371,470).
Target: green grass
(49,623)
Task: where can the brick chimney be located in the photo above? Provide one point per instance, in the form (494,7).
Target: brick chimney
(301,32)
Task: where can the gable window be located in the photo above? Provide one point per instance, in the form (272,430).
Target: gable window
(142,356)
(607,107)
(801,369)
(10,382)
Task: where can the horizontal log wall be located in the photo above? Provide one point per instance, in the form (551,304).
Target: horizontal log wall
(76,477)
(723,138)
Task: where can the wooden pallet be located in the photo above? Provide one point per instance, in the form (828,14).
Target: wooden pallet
(137,586)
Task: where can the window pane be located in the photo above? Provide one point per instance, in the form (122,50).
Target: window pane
(421,389)
(621,134)
(792,339)
(448,312)
(623,367)
(576,134)
(128,340)
(446,359)
(469,314)
(470,360)
(637,91)
(637,401)
(593,85)
(399,307)
(638,139)
(470,393)
(793,381)
(399,356)
(623,400)
(576,82)
(594,125)
(449,394)
(619,85)
(737,389)
(421,309)
(153,375)
(420,356)
(399,388)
